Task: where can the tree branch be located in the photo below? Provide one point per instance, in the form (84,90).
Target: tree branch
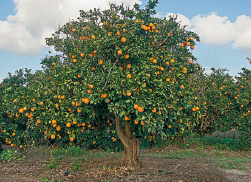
(161,43)
(110,71)
(121,134)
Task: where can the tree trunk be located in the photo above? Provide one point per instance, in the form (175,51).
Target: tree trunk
(131,145)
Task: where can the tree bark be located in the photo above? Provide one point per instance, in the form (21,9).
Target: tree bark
(131,145)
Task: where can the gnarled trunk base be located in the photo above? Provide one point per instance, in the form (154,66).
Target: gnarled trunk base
(131,145)
(131,155)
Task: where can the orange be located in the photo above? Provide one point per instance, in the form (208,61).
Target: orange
(172,60)
(123,39)
(135,106)
(140,109)
(53,121)
(126,118)
(41,103)
(53,136)
(100,62)
(190,62)
(168,79)
(126,56)
(137,21)
(79,110)
(128,94)
(192,47)
(119,52)
(109,33)
(197,108)
(188,43)
(136,122)
(129,76)
(154,109)
(150,25)
(89,91)
(93,36)
(71,139)
(68,125)
(38,121)
(191,38)
(142,123)
(169,126)
(154,61)
(129,66)
(91,86)
(21,110)
(181,45)
(82,54)
(74,29)
(74,122)
(58,128)
(118,33)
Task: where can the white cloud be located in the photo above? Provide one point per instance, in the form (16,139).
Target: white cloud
(215,30)
(1,80)
(183,20)
(24,33)
(208,70)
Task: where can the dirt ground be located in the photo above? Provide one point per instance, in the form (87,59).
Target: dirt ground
(156,166)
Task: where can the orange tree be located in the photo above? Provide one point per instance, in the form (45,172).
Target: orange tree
(124,64)
(138,64)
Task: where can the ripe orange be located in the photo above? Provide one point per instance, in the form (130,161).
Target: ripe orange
(71,139)
(150,25)
(74,29)
(142,123)
(118,33)
(140,109)
(197,108)
(21,110)
(93,36)
(181,45)
(126,118)
(58,128)
(68,125)
(136,106)
(123,39)
(126,56)
(192,47)
(172,60)
(129,66)
(136,21)
(74,122)
(188,43)
(136,122)
(53,136)
(100,62)
(89,91)
(190,62)
(129,76)
(128,94)
(154,61)
(154,109)
(53,121)
(41,103)
(119,52)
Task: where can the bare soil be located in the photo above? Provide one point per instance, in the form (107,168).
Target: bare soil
(156,166)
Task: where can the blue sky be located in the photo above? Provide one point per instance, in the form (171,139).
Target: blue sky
(224,27)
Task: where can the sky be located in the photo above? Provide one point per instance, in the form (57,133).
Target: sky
(224,28)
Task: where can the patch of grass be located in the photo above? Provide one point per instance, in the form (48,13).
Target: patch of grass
(75,166)
(232,163)
(53,164)
(44,179)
